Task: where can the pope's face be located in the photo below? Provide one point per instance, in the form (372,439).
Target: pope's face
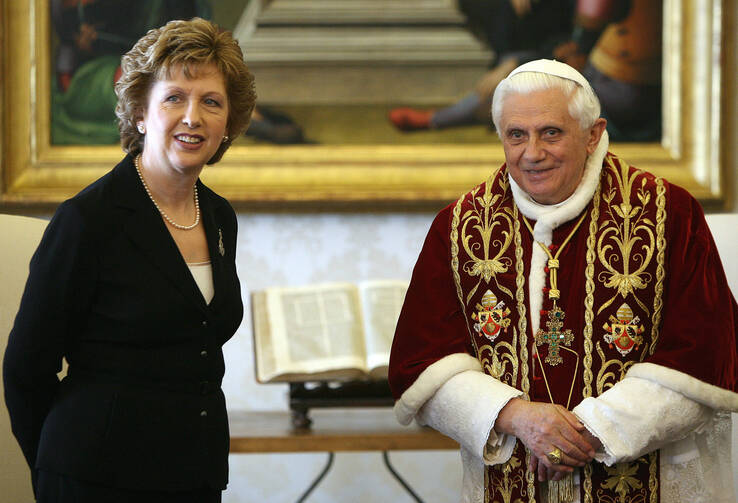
(186,118)
(545,147)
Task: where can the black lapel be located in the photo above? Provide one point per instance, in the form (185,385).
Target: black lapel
(144,226)
(213,218)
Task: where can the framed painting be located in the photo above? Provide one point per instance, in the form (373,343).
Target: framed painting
(697,147)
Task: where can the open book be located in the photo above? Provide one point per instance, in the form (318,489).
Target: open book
(336,331)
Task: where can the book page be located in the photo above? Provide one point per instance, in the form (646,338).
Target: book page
(315,329)
(381,304)
(266,364)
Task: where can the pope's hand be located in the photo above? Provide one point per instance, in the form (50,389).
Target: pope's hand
(543,428)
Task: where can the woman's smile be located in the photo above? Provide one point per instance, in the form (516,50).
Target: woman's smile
(185,119)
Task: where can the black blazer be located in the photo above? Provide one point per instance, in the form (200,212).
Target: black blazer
(141,406)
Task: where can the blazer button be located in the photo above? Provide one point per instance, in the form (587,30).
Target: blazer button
(204,323)
(204,353)
(203,413)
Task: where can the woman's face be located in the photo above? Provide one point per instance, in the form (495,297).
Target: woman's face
(185,119)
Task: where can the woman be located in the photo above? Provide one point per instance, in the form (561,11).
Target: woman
(135,284)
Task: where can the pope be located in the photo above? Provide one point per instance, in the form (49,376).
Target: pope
(568,321)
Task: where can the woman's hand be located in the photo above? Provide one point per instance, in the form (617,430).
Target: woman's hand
(542,428)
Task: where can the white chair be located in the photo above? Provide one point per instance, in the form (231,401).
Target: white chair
(724,228)
(20,236)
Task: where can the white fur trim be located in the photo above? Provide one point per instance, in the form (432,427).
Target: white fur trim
(536,282)
(428,382)
(551,217)
(454,411)
(707,394)
(637,416)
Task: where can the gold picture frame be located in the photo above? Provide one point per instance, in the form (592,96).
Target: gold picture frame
(697,152)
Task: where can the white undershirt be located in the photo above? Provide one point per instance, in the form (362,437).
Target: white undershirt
(202,272)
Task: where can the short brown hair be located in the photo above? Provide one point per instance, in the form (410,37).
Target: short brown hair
(189,44)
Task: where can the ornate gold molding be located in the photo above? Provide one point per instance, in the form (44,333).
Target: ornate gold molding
(693,153)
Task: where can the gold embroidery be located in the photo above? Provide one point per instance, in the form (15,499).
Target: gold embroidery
(624,482)
(606,379)
(587,485)
(653,477)
(560,491)
(622,332)
(633,230)
(487,213)
(625,247)
(530,478)
(589,287)
(498,366)
(520,298)
(632,234)
(660,270)
(491,317)
(455,267)
(505,484)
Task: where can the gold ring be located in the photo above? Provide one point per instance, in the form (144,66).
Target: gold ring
(555,456)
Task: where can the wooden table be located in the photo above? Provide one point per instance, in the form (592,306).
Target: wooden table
(333,430)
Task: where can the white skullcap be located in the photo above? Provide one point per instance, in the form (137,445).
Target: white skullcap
(552,67)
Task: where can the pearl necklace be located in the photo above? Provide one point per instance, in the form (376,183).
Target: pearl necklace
(136,162)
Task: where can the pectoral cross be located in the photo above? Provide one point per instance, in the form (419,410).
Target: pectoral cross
(555,336)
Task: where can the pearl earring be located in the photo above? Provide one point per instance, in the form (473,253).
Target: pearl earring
(225,138)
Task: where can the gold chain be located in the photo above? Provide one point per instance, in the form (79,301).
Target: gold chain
(545,380)
(554,294)
(553,260)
